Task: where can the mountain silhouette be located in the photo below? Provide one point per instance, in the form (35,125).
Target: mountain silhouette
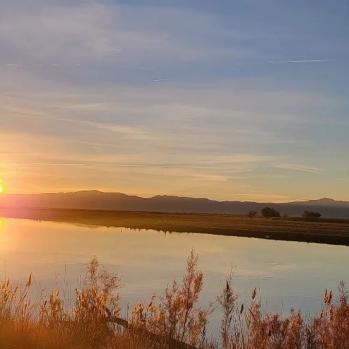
(97,200)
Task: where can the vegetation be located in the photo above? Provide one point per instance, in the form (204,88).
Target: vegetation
(311,215)
(251,328)
(332,231)
(269,212)
(252,214)
(173,320)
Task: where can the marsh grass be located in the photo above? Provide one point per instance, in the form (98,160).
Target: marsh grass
(176,314)
(173,320)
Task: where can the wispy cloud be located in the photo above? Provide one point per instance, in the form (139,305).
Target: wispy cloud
(298,167)
(60,37)
(298,61)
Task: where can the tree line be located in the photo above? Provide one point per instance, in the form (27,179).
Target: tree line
(270,212)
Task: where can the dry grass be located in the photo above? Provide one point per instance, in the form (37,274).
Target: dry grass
(176,314)
(247,327)
(165,322)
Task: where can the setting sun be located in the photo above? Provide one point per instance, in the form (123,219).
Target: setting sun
(174,174)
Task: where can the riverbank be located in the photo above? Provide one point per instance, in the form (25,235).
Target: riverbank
(291,229)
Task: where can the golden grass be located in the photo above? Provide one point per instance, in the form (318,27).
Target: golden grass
(171,321)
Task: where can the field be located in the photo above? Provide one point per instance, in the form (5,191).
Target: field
(293,229)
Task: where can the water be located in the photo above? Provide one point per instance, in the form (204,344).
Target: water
(288,274)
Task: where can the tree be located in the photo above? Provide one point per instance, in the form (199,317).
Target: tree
(269,212)
(311,215)
(252,214)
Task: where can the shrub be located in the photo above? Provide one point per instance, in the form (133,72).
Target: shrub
(252,214)
(311,215)
(269,212)
(176,315)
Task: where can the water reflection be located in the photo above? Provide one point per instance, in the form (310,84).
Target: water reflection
(289,274)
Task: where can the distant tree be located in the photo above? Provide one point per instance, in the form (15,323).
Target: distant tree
(252,214)
(311,215)
(269,212)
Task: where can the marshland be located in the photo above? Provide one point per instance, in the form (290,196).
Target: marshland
(173,319)
(321,230)
(242,290)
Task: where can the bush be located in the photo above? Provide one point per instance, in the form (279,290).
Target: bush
(269,212)
(310,215)
(252,214)
(176,315)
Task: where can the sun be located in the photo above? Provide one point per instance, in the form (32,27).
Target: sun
(2,189)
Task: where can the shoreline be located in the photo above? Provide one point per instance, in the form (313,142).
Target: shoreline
(325,231)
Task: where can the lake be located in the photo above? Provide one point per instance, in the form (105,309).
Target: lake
(288,274)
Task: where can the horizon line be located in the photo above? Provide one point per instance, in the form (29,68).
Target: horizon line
(171,195)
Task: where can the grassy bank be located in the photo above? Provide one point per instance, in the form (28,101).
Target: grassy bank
(292,229)
(174,320)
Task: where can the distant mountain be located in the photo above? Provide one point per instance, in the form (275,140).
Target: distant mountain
(323,202)
(96,200)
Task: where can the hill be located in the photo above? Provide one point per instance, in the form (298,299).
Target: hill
(97,200)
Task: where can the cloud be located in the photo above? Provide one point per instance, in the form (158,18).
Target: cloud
(299,61)
(215,124)
(298,167)
(217,120)
(57,38)
(150,96)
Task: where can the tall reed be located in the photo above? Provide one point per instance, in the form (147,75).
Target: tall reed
(173,320)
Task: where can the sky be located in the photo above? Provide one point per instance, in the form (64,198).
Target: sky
(231,100)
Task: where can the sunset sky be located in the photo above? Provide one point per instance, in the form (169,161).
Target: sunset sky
(226,99)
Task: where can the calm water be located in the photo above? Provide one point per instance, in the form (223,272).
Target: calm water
(289,274)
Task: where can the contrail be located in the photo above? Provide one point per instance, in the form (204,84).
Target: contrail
(299,61)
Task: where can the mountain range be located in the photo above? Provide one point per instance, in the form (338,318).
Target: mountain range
(97,200)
